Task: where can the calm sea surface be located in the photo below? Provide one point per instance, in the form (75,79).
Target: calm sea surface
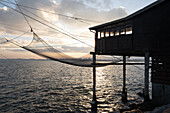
(48,86)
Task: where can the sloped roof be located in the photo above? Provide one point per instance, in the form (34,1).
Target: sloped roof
(130,16)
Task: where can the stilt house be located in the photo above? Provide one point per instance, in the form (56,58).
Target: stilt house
(145,33)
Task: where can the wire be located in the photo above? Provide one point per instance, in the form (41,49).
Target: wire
(11,40)
(40,30)
(42,19)
(47,21)
(52,24)
(12,29)
(47,25)
(24,16)
(72,17)
(15,37)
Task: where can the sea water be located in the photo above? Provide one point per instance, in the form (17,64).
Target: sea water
(47,86)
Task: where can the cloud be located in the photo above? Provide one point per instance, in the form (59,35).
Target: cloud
(80,9)
(95,10)
(16,20)
(4,8)
(75,49)
(76,8)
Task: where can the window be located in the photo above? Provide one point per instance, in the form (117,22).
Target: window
(107,34)
(98,35)
(129,30)
(102,34)
(117,33)
(112,32)
(122,32)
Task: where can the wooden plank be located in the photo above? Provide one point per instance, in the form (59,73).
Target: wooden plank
(118,64)
(160,81)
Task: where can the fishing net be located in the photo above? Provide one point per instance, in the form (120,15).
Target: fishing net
(3,40)
(41,48)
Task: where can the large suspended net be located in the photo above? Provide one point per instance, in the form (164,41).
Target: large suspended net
(41,48)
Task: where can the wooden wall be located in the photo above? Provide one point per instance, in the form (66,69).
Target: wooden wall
(151,32)
(151,29)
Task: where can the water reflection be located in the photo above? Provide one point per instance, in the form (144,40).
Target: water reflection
(46,86)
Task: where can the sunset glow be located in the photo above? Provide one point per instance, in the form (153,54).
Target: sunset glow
(66,18)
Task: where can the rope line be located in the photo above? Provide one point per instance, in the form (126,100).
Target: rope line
(47,25)
(40,30)
(72,17)
(23,15)
(14,38)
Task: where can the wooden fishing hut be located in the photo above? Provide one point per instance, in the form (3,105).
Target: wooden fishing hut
(145,33)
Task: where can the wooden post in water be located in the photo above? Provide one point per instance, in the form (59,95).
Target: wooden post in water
(124,93)
(146,89)
(94,101)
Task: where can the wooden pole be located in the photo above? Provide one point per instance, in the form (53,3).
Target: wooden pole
(102,64)
(94,101)
(124,93)
(146,88)
(124,73)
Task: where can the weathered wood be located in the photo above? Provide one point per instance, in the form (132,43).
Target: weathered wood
(124,73)
(161,69)
(150,30)
(118,64)
(124,93)
(146,88)
(94,101)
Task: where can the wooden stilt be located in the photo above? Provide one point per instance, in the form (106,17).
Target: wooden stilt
(94,101)
(124,93)
(146,88)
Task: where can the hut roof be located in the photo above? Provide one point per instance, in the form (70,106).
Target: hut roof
(149,7)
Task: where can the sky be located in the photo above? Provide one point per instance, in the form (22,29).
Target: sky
(64,16)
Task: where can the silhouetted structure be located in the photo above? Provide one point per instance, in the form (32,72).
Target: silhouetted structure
(144,33)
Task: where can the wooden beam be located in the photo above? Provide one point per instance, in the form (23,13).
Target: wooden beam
(124,93)
(146,88)
(117,64)
(94,101)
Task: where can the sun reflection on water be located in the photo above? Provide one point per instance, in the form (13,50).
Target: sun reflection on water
(100,77)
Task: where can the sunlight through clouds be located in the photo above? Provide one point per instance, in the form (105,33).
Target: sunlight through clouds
(50,17)
(70,16)
(4,8)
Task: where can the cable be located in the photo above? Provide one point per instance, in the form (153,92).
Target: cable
(24,16)
(15,37)
(16,43)
(47,21)
(40,18)
(12,29)
(75,18)
(40,30)
(47,25)
(52,23)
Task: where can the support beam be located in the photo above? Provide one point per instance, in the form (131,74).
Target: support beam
(103,64)
(94,101)
(146,88)
(124,93)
